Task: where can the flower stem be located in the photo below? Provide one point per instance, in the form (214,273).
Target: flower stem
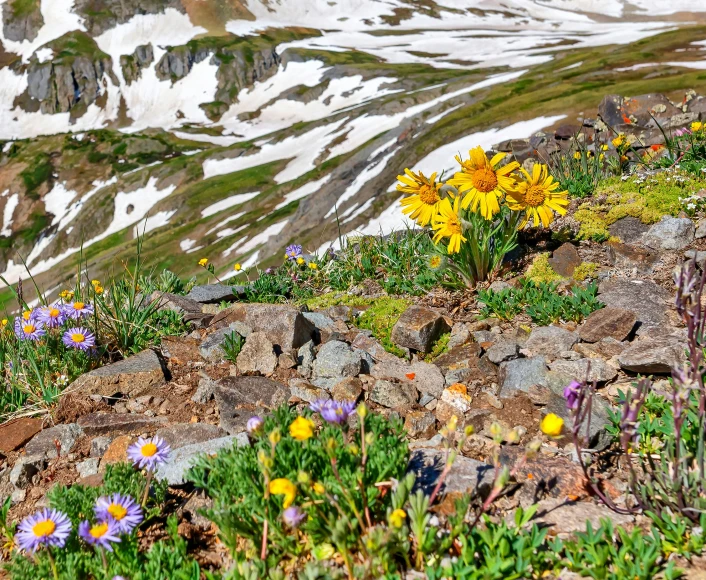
(52,563)
(146,494)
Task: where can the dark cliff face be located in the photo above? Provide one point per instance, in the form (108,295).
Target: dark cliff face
(133,64)
(102,15)
(21,21)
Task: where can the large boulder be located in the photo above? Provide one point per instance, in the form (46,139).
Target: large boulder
(670,234)
(239,398)
(418,328)
(653,356)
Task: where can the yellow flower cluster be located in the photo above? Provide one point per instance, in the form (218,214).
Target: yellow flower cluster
(697,126)
(482,186)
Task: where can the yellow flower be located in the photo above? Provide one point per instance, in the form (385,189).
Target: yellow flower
(318,488)
(604,147)
(552,425)
(424,198)
(237,267)
(283,486)
(697,126)
(98,289)
(483,182)
(397,518)
(203,262)
(538,196)
(301,261)
(66,295)
(447,224)
(95,283)
(602,157)
(313,266)
(302,429)
(4,322)
(26,315)
(577,155)
(619,140)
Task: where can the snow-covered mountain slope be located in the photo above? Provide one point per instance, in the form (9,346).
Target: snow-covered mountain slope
(233,127)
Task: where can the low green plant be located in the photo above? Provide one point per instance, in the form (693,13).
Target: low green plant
(380,317)
(542,302)
(232,345)
(684,147)
(440,347)
(580,169)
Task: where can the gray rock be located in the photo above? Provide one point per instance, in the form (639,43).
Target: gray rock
(349,389)
(596,369)
(670,233)
(305,358)
(653,356)
(257,356)
(503,351)
(460,334)
(698,256)
(566,518)
(117,423)
(643,297)
(550,341)
(305,391)
(175,302)
(392,395)
(598,437)
(420,424)
(424,377)
(628,229)
(319,320)
(284,326)
(522,373)
(99,445)
(481,336)
(45,443)
(418,328)
(204,392)
(211,348)
(183,434)
(700,229)
(25,468)
(337,360)
(372,348)
(87,467)
(239,398)
(467,476)
(211,294)
(175,469)
(132,377)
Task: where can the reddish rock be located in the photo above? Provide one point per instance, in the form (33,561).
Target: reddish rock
(14,434)
(117,451)
(104,423)
(181,349)
(608,322)
(420,424)
(565,260)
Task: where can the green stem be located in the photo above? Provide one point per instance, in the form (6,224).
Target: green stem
(52,563)
(147,488)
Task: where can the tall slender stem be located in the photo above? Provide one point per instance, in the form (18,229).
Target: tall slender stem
(52,563)
(146,494)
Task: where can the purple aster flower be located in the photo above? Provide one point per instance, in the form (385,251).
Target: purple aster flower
(45,528)
(334,411)
(571,394)
(293,252)
(51,316)
(293,516)
(120,508)
(103,535)
(28,329)
(79,338)
(148,453)
(77,310)
(254,424)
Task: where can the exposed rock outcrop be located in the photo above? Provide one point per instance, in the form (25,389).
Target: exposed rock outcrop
(132,64)
(21,22)
(102,15)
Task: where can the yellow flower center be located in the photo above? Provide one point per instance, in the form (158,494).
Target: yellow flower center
(29,328)
(485,180)
(44,529)
(117,511)
(435,261)
(428,195)
(99,530)
(78,338)
(54,312)
(79,305)
(149,450)
(535,195)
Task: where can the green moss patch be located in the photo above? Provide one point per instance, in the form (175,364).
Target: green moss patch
(382,315)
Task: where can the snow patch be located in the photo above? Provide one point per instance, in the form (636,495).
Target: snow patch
(227,203)
(303,191)
(9,210)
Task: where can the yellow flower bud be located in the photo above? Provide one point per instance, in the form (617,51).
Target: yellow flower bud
(301,261)
(238,267)
(369,438)
(320,489)
(452,424)
(362,411)
(275,437)
(303,477)
(469,430)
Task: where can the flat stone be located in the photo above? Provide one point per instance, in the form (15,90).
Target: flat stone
(373,348)
(424,377)
(181,460)
(257,356)
(120,423)
(632,256)
(503,351)
(180,350)
(595,368)
(284,326)
(549,341)
(87,467)
(653,356)
(520,374)
(615,323)
(565,260)
(14,434)
(131,377)
(628,229)
(239,398)
(670,233)
(211,294)
(420,424)
(305,391)
(566,518)
(393,395)
(175,302)
(46,442)
(349,389)
(183,434)
(117,451)
(319,320)
(605,348)
(467,476)
(337,360)
(643,297)
(418,328)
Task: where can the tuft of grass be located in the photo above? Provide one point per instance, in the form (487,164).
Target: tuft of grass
(38,172)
